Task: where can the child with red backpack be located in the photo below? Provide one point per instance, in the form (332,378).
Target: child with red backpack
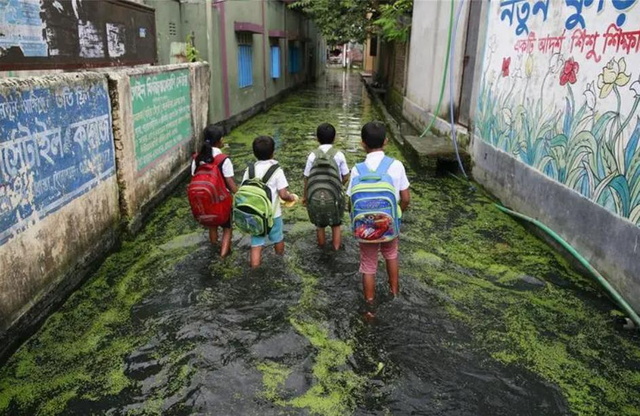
(211,188)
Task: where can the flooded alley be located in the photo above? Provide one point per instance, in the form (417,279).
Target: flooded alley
(490,319)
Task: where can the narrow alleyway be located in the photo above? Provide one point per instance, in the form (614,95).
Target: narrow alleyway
(490,319)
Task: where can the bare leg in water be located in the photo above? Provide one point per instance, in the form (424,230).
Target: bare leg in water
(226,242)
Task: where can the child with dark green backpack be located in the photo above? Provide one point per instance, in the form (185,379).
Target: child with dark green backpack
(324,176)
(256,208)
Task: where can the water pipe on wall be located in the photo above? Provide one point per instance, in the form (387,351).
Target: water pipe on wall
(452,55)
(603,282)
(444,73)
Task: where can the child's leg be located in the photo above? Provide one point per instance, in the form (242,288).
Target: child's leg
(213,235)
(276,235)
(336,236)
(226,242)
(369,286)
(322,237)
(393,270)
(256,257)
(390,253)
(368,268)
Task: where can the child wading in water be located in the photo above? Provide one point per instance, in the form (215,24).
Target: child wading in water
(377,186)
(210,152)
(264,172)
(324,175)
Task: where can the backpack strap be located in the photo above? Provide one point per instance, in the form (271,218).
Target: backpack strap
(363,169)
(318,153)
(220,159)
(384,165)
(252,170)
(270,172)
(332,152)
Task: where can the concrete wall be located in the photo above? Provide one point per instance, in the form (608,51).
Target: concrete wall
(158,116)
(58,192)
(427,52)
(556,127)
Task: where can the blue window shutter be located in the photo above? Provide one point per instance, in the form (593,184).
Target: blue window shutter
(245,66)
(275,62)
(294,59)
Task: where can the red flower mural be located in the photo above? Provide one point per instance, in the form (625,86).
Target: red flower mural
(506,62)
(569,72)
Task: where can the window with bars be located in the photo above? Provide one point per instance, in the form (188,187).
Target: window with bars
(294,59)
(245,60)
(275,61)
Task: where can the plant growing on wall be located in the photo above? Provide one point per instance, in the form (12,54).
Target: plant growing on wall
(193,55)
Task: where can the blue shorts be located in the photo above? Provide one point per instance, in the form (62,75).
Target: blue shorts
(275,236)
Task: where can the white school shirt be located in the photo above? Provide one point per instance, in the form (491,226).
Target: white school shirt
(277,182)
(396,171)
(339,158)
(227,166)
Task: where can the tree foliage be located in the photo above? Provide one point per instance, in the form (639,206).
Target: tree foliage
(395,20)
(341,21)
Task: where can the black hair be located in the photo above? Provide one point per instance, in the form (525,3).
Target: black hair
(326,133)
(263,147)
(213,134)
(373,134)
(205,155)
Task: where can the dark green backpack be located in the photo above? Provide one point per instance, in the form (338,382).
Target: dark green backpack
(325,197)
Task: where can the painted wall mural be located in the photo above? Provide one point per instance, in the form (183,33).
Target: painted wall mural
(561,92)
(55,145)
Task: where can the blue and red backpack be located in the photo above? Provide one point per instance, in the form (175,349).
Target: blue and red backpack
(375,213)
(208,194)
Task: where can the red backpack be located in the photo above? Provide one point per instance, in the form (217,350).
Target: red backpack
(208,195)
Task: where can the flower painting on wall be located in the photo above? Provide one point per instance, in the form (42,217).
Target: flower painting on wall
(574,116)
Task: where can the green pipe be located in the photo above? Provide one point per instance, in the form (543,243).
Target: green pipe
(607,287)
(444,74)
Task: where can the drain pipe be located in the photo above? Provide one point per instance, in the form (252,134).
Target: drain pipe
(635,319)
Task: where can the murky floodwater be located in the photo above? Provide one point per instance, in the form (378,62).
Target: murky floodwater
(489,321)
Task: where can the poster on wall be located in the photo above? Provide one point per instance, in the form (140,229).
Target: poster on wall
(161,114)
(22,28)
(55,145)
(561,92)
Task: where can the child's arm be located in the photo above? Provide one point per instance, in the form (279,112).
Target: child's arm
(304,193)
(285,195)
(345,179)
(405,199)
(231,184)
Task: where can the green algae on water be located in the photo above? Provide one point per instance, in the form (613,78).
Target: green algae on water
(79,352)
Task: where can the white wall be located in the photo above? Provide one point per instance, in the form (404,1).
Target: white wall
(428,51)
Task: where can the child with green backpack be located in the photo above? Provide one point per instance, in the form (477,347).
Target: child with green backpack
(379,193)
(256,208)
(324,175)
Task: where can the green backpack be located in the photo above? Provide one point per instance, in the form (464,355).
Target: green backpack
(252,206)
(325,197)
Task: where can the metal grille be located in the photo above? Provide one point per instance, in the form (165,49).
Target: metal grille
(173,30)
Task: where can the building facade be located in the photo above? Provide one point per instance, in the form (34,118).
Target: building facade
(257,49)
